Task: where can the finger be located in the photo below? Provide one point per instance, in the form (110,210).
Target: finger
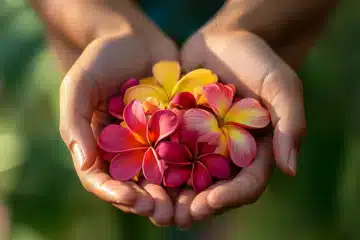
(144,205)
(248,185)
(164,211)
(98,182)
(183,217)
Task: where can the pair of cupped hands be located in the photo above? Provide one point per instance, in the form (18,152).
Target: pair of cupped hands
(239,57)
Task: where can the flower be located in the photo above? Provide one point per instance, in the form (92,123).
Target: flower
(134,144)
(200,164)
(165,90)
(230,121)
(116,104)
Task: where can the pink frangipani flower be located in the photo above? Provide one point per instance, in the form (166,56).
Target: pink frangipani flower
(134,145)
(230,121)
(198,167)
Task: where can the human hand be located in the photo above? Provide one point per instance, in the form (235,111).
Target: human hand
(260,68)
(95,76)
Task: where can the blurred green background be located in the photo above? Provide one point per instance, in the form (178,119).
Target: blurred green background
(46,200)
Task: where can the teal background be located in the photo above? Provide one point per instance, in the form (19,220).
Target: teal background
(46,200)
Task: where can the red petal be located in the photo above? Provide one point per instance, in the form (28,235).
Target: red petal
(128,84)
(189,139)
(127,165)
(161,125)
(116,107)
(172,152)
(115,138)
(135,119)
(175,176)
(241,144)
(201,178)
(151,169)
(219,97)
(217,165)
(106,156)
(200,121)
(183,100)
(208,143)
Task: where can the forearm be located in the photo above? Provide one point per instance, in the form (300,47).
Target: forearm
(273,20)
(82,21)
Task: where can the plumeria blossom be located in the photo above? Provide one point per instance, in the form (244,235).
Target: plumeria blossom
(133,147)
(165,90)
(230,121)
(199,165)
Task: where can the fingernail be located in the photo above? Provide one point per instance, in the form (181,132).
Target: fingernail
(293,161)
(78,154)
(144,206)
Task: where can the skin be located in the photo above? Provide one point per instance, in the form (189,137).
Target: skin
(255,44)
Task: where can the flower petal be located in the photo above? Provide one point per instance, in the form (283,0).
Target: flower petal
(172,152)
(161,125)
(208,143)
(222,147)
(194,79)
(149,81)
(135,119)
(217,165)
(183,100)
(167,73)
(200,121)
(150,167)
(115,138)
(175,176)
(219,97)
(201,178)
(151,105)
(188,139)
(248,112)
(241,144)
(145,91)
(128,84)
(116,107)
(127,165)
(106,156)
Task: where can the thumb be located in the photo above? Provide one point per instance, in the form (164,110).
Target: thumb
(75,116)
(282,92)
(192,53)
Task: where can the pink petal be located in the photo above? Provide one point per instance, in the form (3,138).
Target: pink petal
(219,97)
(201,178)
(189,139)
(208,143)
(128,84)
(217,165)
(135,119)
(200,121)
(151,169)
(115,138)
(241,144)
(172,152)
(248,112)
(175,176)
(106,156)
(127,165)
(116,107)
(183,100)
(161,125)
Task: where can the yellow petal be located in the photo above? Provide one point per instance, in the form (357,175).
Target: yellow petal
(167,73)
(193,80)
(143,92)
(149,80)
